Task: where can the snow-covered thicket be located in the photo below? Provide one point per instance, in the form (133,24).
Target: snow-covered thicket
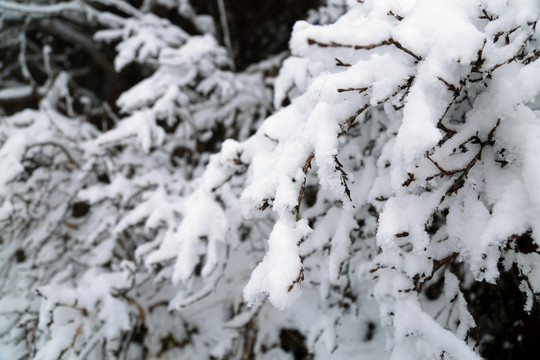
(393,178)
(87,190)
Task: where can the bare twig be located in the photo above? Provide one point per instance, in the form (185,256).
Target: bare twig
(398,17)
(226,34)
(306,167)
(57,145)
(464,172)
(34,9)
(341,63)
(360,90)
(344,177)
(388,42)
(69,33)
(346,125)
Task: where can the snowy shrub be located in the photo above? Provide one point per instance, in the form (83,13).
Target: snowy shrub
(373,208)
(85,183)
(410,124)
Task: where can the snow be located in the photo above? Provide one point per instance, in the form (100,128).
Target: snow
(280,268)
(401,144)
(142,38)
(204,221)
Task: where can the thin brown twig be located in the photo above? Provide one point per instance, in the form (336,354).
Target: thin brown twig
(346,125)
(344,177)
(360,90)
(57,145)
(460,180)
(388,42)
(306,167)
